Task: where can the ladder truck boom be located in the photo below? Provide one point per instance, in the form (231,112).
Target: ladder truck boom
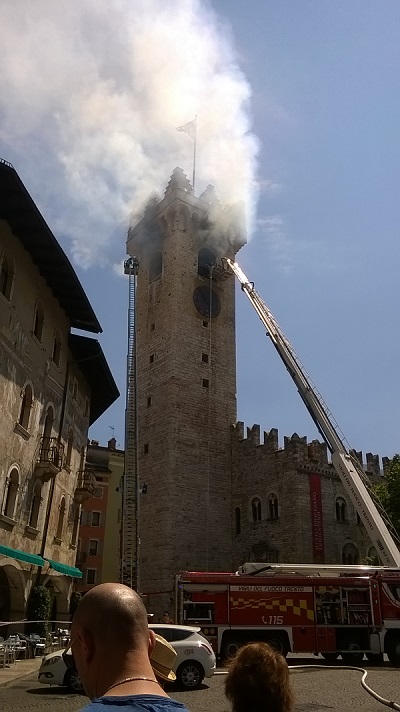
(377,523)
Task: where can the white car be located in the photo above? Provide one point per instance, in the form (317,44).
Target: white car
(195,659)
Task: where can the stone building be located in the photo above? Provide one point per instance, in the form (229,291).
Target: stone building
(100,530)
(53,386)
(214,497)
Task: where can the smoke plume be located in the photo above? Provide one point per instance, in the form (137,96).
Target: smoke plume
(91,95)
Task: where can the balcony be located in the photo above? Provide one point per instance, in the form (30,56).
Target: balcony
(85,486)
(50,460)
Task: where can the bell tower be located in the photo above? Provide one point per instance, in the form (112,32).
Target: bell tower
(186,378)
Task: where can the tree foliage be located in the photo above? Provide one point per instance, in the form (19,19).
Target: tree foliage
(74,602)
(38,609)
(388,491)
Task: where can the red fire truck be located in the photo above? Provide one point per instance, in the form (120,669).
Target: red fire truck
(333,610)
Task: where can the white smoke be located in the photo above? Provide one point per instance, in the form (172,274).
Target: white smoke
(91,95)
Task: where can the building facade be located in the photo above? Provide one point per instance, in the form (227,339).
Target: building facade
(100,530)
(50,393)
(214,497)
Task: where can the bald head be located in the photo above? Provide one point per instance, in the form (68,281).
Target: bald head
(112,612)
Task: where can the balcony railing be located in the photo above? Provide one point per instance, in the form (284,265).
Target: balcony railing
(51,458)
(85,486)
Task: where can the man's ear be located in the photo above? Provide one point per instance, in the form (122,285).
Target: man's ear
(152,641)
(88,645)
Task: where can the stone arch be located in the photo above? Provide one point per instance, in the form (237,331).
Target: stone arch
(184,217)
(60,588)
(16,580)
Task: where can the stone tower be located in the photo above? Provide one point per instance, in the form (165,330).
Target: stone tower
(186,367)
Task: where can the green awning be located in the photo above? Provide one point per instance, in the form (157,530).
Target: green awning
(22,556)
(64,569)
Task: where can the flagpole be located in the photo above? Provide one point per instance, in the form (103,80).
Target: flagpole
(194,152)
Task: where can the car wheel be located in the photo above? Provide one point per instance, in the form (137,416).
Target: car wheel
(73,681)
(190,675)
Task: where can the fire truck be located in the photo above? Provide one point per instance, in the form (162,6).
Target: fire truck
(301,608)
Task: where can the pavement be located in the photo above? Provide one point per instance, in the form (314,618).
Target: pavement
(21,668)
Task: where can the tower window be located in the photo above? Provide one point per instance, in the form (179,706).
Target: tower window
(238,526)
(151,358)
(206,383)
(146,449)
(205,259)
(156,266)
(149,401)
(340,510)
(205,324)
(11,493)
(350,555)
(153,327)
(256,509)
(204,358)
(273,508)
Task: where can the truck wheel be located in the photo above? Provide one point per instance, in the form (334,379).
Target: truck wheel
(73,682)
(278,644)
(190,674)
(354,656)
(393,650)
(330,657)
(230,648)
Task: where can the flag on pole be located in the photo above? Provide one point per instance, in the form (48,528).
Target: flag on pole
(189,128)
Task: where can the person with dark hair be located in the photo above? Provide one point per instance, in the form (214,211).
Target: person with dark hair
(111,645)
(258,680)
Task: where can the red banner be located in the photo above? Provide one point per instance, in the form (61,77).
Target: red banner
(316,519)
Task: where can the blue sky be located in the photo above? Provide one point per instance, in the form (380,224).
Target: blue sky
(324,248)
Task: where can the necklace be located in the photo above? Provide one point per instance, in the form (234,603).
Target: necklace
(130,679)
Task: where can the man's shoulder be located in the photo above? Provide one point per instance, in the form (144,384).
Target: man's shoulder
(131,703)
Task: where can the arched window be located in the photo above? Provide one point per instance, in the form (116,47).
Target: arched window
(35,505)
(26,406)
(45,454)
(70,443)
(61,516)
(373,558)
(55,356)
(156,266)
(38,321)
(256,509)
(205,259)
(350,555)
(6,276)
(340,509)
(75,529)
(12,485)
(273,508)
(238,524)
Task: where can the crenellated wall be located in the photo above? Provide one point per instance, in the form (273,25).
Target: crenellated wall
(312,519)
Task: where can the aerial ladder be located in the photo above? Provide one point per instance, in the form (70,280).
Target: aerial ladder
(356,483)
(130,539)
